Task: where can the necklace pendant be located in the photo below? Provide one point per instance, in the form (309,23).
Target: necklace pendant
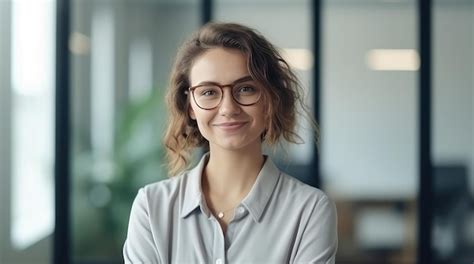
(220,215)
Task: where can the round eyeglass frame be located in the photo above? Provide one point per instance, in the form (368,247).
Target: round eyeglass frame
(191,90)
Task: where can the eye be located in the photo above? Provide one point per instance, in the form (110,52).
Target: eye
(247,89)
(208,93)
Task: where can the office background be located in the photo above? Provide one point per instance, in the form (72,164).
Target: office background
(84,79)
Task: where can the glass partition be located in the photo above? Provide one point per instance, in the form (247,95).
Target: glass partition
(369,127)
(121,54)
(27,93)
(453,131)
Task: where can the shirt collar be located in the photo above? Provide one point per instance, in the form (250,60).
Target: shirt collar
(192,194)
(255,201)
(258,197)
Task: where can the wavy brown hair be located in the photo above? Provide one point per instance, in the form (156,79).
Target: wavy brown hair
(265,65)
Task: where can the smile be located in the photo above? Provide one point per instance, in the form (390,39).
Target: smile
(229,126)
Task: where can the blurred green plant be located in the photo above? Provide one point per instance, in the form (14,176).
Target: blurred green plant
(104,186)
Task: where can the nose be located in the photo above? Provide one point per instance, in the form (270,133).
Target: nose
(228,106)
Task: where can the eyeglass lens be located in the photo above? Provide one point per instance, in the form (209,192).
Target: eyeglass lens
(209,96)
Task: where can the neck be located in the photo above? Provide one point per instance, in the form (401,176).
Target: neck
(230,175)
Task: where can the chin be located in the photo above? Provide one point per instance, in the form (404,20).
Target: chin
(232,146)
(235,145)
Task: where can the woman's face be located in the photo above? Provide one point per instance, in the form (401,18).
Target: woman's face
(230,125)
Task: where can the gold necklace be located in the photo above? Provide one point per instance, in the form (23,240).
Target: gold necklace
(220,214)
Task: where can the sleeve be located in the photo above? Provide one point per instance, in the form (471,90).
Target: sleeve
(139,246)
(318,243)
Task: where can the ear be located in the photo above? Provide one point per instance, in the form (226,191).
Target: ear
(191,113)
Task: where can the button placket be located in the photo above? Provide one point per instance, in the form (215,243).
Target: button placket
(219,243)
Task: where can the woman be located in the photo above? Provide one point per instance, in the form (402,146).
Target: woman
(230,93)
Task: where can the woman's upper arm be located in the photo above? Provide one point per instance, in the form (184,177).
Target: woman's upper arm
(139,246)
(319,241)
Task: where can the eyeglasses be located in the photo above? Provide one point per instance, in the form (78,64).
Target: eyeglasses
(209,95)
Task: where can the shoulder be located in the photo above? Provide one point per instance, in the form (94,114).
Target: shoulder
(313,204)
(305,198)
(300,190)
(164,187)
(164,191)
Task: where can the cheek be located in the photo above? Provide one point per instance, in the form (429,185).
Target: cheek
(202,117)
(200,125)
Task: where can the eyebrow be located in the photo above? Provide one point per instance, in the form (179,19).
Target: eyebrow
(241,79)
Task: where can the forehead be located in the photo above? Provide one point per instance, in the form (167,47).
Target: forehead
(220,65)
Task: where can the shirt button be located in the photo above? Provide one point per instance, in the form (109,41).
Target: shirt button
(219,261)
(241,210)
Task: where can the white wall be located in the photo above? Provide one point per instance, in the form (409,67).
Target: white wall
(369,118)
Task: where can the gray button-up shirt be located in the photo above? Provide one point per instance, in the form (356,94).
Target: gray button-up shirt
(282,220)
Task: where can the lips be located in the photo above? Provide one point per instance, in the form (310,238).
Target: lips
(230,125)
